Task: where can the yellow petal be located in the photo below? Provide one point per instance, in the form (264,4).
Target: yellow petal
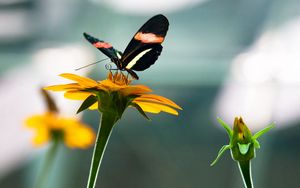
(39,123)
(83,81)
(33,121)
(79,137)
(42,136)
(64,87)
(135,90)
(101,87)
(150,109)
(109,85)
(94,106)
(77,95)
(42,120)
(158,99)
(156,108)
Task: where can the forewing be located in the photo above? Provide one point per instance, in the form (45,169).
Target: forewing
(151,34)
(104,47)
(144,57)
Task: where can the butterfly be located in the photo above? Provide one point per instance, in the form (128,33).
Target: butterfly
(143,49)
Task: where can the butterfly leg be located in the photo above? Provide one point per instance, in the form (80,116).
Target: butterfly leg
(132,73)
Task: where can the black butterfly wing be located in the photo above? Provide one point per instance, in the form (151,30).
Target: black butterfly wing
(144,57)
(145,47)
(104,47)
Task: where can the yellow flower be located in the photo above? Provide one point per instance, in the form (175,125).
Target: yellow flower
(111,97)
(137,96)
(50,126)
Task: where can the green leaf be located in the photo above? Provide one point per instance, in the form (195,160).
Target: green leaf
(263,131)
(226,127)
(256,144)
(141,111)
(244,148)
(87,103)
(222,150)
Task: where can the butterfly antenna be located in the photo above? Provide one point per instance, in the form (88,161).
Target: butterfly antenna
(91,64)
(108,67)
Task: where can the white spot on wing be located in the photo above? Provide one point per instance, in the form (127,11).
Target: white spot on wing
(119,55)
(136,58)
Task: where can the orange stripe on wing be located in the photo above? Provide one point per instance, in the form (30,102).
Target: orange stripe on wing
(102,45)
(148,38)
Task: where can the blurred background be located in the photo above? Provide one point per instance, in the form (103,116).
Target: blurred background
(221,58)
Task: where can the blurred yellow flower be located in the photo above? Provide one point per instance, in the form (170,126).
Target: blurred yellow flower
(50,126)
(142,99)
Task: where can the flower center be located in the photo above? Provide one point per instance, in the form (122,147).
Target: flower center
(119,78)
(57,134)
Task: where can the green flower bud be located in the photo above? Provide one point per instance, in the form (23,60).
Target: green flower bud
(242,145)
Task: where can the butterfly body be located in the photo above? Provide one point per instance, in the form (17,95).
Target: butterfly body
(143,49)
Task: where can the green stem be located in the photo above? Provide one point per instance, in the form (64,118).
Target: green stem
(106,125)
(245,169)
(43,175)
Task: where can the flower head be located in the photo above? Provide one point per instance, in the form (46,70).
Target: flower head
(111,97)
(114,94)
(242,143)
(50,126)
